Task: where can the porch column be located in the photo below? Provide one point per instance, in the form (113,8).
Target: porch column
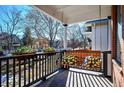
(65,35)
(122,56)
(114,30)
(109,36)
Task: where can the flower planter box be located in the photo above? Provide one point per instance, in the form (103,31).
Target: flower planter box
(50,53)
(23,53)
(21,56)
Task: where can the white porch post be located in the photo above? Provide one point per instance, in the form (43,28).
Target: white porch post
(109,32)
(65,35)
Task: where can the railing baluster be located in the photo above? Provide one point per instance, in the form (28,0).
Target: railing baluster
(54,62)
(39,66)
(19,73)
(29,70)
(60,59)
(0,73)
(45,64)
(36,68)
(14,72)
(33,68)
(7,73)
(42,65)
(51,64)
(25,72)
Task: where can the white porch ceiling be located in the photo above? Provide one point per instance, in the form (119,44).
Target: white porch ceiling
(76,13)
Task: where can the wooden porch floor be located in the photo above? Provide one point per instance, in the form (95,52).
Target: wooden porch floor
(76,78)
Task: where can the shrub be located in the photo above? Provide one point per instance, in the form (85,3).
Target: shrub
(1,49)
(49,49)
(22,50)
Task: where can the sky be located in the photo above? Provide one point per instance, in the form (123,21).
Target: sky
(21,8)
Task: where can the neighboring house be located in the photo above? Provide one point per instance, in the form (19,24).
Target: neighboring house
(40,43)
(99,32)
(6,40)
(101,37)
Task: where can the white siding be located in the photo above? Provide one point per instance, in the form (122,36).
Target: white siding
(101,40)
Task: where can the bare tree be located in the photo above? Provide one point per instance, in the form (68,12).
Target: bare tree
(77,37)
(43,25)
(10,24)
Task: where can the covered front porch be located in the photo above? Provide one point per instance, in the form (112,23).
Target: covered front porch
(46,69)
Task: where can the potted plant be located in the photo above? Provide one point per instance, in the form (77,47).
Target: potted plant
(68,60)
(22,50)
(49,49)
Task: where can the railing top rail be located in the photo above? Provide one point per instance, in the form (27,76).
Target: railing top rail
(88,51)
(106,52)
(27,55)
(48,53)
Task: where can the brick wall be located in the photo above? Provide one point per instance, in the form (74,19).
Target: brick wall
(114,29)
(118,71)
(122,57)
(118,80)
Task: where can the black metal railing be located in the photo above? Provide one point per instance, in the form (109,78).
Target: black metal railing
(25,70)
(106,61)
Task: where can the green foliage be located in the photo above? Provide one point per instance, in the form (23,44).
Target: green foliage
(1,49)
(22,50)
(69,60)
(50,49)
